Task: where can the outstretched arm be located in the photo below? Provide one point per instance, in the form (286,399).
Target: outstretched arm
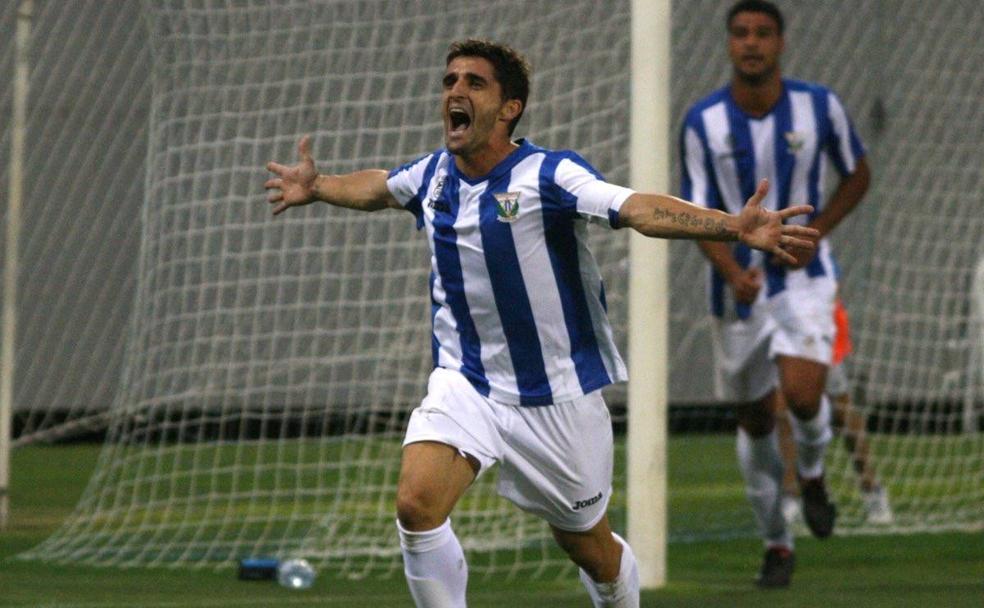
(663,216)
(301,184)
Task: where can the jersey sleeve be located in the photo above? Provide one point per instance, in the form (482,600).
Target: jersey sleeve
(843,144)
(586,193)
(408,184)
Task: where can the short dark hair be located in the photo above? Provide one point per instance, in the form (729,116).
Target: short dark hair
(756,6)
(511,69)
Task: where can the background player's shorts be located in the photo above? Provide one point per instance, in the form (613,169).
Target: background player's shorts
(555,460)
(804,319)
(743,371)
(796,322)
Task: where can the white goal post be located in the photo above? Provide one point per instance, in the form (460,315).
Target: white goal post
(11,269)
(649,167)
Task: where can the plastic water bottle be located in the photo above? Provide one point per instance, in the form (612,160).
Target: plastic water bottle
(295,574)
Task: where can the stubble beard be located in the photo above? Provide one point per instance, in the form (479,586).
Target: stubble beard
(758,79)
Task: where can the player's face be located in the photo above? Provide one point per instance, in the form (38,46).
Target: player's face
(754,44)
(472,105)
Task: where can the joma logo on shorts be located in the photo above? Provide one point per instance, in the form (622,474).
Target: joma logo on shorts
(586,503)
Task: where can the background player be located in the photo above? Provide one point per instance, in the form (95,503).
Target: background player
(522,345)
(851,423)
(775,318)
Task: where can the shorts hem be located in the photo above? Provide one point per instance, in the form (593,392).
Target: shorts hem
(484,462)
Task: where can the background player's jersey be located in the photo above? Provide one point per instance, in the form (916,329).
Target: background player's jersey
(726,152)
(518,305)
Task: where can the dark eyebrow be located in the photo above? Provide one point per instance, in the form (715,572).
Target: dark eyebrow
(471,77)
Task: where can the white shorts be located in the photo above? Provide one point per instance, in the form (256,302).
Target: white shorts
(796,322)
(555,460)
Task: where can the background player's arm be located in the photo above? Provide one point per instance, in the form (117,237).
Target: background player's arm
(658,215)
(846,197)
(744,282)
(301,184)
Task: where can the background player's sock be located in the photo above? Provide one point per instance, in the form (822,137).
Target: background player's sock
(761,467)
(623,592)
(812,437)
(435,567)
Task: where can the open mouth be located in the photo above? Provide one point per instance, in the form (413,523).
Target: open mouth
(459,120)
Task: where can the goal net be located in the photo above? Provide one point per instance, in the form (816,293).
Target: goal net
(253,375)
(271,363)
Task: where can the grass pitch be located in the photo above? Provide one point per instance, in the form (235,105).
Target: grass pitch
(919,570)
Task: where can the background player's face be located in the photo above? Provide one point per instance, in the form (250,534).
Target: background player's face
(754,44)
(471,105)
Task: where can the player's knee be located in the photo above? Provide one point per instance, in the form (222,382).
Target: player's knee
(601,562)
(804,404)
(755,419)
(595,554)
(416,511)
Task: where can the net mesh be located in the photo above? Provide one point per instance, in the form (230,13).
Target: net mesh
(253,375)
(272,363)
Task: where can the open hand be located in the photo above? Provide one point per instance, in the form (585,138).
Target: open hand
(294,185)
(764,229)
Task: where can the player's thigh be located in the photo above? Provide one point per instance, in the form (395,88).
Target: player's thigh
(451,437)
(558,461)
(433,476)
(803,381)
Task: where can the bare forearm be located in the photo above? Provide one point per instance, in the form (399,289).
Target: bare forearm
(846,197)
(362,190)
(720,256)
(664,216)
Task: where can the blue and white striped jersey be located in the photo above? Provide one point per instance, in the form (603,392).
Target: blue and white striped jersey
(518,305)
(726,152)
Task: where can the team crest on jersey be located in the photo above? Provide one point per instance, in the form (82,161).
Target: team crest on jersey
(507,206)
(794,140)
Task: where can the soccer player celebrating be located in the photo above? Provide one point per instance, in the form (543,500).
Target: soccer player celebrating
(521,341)
(775,325)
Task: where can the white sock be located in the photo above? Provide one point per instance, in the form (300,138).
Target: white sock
(435,567)
(761,467)
(812,437)
(623,592)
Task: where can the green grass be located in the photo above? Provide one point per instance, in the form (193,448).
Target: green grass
(924,570)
